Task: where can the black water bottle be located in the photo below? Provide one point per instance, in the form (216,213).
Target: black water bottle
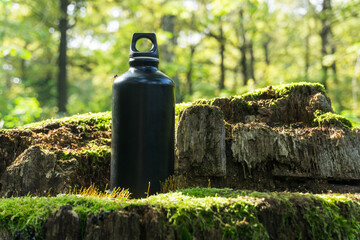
(142,123)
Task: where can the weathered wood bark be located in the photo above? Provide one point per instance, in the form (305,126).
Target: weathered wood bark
(199,154)
(62,59)
(63,223)
(258,149)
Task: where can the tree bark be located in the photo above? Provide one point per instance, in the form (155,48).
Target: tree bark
(62,60)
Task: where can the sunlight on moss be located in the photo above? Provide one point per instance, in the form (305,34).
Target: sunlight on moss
(235,213)
(282,90)
(329,119)
(101,120)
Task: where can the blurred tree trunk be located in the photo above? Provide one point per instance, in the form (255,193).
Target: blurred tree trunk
(220,38)
(167,53)
(62,60)
(307,54)
(168,25)
(328,48)
(309,15)
(23,64)
(190,69)
(326,38)
(252,61)
(242,49)
(222,59)
(266,43)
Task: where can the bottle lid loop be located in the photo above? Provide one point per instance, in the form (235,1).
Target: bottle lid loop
(152,53)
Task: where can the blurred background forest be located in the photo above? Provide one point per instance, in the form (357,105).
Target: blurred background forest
(58,57)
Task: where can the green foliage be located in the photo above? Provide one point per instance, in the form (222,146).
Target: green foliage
(355,121)
(189,36)
(21,111)
(322,119)
(181,106)
(178,108)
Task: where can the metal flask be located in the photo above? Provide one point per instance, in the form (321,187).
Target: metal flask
(143,116)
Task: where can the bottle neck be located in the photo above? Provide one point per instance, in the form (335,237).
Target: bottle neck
(143,61)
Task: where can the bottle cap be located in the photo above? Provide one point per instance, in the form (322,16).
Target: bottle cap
(152,53)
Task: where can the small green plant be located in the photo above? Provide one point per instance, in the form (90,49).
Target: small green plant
(330,119)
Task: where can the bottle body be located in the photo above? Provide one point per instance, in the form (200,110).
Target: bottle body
(143,116)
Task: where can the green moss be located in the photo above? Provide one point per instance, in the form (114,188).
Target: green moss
(235,213)
(228,130)
(235,218)
(202,101)
(337,217)
(101,120)
(327,119)
(220,192)
(100,141)
(18,213)
(281,90)
(94,153)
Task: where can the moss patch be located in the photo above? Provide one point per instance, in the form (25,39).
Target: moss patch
(22,213)
(329,119)
(192,217)
(101,120)
(281,90)
(224,213)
